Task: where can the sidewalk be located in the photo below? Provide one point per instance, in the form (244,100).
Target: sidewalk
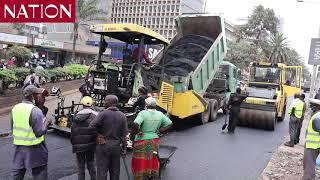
(286,162)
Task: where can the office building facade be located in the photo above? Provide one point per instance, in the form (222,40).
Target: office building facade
(157,15)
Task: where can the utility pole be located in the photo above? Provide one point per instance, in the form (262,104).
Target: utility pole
(205,6)
(314,77)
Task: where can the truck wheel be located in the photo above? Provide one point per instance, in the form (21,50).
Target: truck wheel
(205,116)
(213,109)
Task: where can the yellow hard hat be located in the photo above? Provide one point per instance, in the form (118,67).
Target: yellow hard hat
(87,101)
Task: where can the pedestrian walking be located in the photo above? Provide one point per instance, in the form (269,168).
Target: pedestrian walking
(297,139)
(28,130)
(83,139)
(143,95)
(234,109)
(31,82)
(147,125)
(317,96)
(312,145)
(111,125)
(295,113)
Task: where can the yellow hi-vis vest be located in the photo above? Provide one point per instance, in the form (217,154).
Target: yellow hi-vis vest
(22,131)
(298,105)
(313,137)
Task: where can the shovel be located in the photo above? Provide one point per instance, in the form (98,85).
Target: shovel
(225,122)
(126,166)
(123,156)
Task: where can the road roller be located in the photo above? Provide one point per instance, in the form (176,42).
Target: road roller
(269,88)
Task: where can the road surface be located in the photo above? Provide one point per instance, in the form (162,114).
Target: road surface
(204,152)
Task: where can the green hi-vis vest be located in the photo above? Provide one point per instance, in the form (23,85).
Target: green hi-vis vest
(22,131)
(313,137)
(298,108)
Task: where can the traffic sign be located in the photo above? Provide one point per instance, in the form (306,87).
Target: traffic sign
(314,55)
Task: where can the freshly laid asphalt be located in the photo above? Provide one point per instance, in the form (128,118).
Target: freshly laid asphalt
(204,152)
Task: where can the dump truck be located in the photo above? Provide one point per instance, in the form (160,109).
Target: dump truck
(221,87)
(270,85)
(190,64)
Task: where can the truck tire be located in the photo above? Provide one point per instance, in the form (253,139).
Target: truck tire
(205,116)
(213,109)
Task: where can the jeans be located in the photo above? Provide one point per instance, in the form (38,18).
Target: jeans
(233,119)
(108,161)
(84,158)
(294,125)
(38,173)
(309,163)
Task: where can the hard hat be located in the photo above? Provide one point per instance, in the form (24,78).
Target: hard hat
(87,101)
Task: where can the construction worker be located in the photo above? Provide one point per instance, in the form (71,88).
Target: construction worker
(111,125)
(312,145)
(140,104)
(28,130)
(295,113)
(83,139)
(297,139)
(234,107)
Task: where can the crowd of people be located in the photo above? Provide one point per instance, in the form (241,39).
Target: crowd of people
(98,138)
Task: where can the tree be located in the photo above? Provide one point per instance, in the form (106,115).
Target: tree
(19,28)
(278,46)
(20,53)
(294,59)
(87,11)
(242,53)
(261,23)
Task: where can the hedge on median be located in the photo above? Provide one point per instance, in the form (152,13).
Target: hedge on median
(17,76)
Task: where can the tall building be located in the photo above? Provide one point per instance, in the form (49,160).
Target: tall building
(64,31)
(157,15)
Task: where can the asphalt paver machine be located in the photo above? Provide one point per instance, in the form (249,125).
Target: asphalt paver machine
(125,77)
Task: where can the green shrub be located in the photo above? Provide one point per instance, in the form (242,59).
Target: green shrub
(75,70)
(56,73)
(42,73)
(8,75)
(21,73)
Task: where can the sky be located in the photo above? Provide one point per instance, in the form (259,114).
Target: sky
(300,20)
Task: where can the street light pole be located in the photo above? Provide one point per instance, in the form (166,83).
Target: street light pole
(314,71)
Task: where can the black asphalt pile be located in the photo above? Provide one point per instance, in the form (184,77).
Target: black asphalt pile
(183,56)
